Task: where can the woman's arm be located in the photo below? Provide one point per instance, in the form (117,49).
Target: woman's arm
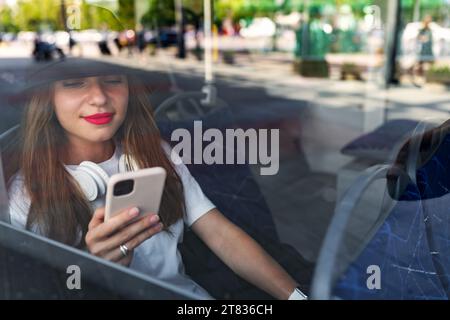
(243,255)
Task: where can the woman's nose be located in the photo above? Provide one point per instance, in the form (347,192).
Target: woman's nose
(97,94)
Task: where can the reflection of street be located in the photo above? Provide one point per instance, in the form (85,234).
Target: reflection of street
(274,72)
(16,50)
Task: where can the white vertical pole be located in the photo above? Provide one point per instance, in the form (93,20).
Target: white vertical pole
(140,8)
(416,16)
(208,41)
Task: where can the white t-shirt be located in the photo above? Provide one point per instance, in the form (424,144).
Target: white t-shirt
(158,256)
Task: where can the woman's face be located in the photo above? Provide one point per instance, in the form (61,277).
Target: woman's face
(91,109)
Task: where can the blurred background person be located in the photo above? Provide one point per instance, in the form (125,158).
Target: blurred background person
(103,43)
(141,42)
(425,45)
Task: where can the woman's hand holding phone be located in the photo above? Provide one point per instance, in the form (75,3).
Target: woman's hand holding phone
(104,238)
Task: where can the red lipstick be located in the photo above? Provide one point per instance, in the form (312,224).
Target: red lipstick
(99,118)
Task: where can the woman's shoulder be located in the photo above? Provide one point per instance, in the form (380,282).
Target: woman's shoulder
(19,201)
(175,159)
(16,183)
(16,188)
(166,146)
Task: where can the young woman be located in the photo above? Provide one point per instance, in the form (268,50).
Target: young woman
(91,113)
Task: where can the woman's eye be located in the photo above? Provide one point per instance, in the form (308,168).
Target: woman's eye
(73,84)
(113,81)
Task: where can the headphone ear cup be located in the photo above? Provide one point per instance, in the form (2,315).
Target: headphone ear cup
(98,174)
(86,183)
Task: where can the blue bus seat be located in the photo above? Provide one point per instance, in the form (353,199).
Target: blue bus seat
(412,246)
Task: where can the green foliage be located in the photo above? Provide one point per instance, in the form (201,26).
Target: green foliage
(98,17)
(126,13)
(161,13)
(236,9)
(439,74)
(440,70)
(47,14)
(32,15)
(7,23)
(36,15)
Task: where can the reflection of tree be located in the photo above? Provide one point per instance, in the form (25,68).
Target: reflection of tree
(97,17)
(126,13)
(163,13)
(7,23)
(33,15)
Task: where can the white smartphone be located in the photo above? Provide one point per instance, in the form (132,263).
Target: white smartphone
(142,189)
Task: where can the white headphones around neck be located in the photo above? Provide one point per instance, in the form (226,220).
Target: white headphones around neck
(93,179)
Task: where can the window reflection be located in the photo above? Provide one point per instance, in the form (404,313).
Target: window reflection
(357,92)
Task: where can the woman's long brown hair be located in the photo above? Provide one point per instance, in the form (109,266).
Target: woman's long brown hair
(59,208)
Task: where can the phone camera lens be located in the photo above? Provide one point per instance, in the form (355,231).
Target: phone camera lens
(123,187)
